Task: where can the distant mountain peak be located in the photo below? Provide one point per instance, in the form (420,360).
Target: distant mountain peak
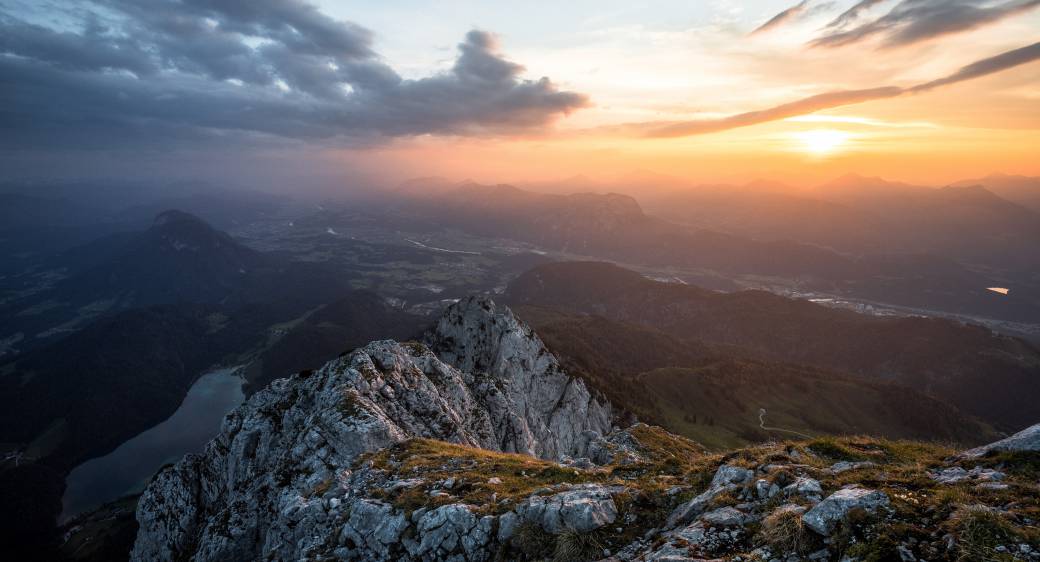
(180,230)
(176,216)
(767,185)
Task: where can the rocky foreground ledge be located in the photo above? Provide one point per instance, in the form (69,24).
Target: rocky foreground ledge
(476,446)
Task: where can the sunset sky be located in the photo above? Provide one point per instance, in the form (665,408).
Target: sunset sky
(401,88)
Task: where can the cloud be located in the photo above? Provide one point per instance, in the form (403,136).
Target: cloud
(160,71)
(913,21)
(804,106)
(850,15)
(984,67)
(829,100)
(799,11)
(790,14)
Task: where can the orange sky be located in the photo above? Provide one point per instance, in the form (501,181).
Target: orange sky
(641,73)
(709,91)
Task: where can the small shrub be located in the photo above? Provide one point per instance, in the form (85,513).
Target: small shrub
(573,546)
(785,533)
(532,542)
(1024,464)
(880,549)
(857,527)
(979,531)
(724,499)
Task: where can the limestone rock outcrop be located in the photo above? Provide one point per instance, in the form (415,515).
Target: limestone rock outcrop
(253,492)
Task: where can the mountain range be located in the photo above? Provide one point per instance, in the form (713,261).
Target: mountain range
(180,259)
(860,238)
(611,226)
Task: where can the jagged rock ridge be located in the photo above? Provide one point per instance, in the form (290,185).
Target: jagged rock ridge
(495,386)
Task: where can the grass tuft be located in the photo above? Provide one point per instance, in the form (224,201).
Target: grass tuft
(785,533)
(979,532)
(573,546)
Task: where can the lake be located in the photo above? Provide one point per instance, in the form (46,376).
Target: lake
(128,469)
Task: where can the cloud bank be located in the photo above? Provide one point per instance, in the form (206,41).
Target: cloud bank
(906,23)
(829,100)
(159,71)
(914,21)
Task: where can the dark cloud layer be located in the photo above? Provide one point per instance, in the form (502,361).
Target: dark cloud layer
(158,71)
(913,21)
(829,100)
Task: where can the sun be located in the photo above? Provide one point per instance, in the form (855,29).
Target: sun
(821,142)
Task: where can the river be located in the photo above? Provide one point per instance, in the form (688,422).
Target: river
(128,469)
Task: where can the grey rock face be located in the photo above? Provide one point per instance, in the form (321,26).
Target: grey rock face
(1026,440)
(536,408)
(806,487)
(451,530)
(727,478)
(701,537)
(374,525)
(618,446)
(823,517)
(845,466)
(276,481)
(766,489)
(955,474)
(724,517)
(582,509)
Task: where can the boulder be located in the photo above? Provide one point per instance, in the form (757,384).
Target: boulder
(724,517)
(826,515)
(766,489)
(582,509)
(805,487)
(727,478)
(845,466)
(374,525)
(956,474)
(1026,440)
(450,529)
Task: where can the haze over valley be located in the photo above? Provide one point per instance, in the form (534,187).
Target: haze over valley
(308,280)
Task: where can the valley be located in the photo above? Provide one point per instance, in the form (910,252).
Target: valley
(283,292)
(326,281)
(128,469)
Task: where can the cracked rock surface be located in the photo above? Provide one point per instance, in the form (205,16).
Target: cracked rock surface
(251,493)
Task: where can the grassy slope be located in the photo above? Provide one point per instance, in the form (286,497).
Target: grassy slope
(675,469)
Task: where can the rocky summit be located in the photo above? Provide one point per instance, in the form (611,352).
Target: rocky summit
(475,445)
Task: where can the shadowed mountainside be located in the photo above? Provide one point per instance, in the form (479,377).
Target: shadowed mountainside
(994,377)
(713,393)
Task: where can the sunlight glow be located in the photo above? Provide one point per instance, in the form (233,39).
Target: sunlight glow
(820,142)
